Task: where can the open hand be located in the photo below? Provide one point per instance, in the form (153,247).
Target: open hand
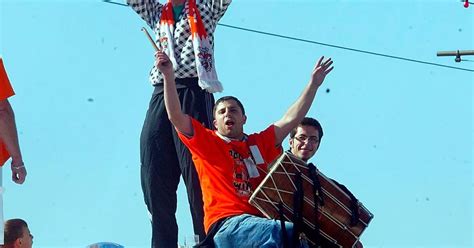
(321,69)
(164,64)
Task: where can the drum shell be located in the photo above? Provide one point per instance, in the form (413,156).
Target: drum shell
(333,212)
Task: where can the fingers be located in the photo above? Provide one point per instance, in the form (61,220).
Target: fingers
(161,58)
(325,64)
(329,70)
(160,54)
(319,61)
(322,68)
(19,175)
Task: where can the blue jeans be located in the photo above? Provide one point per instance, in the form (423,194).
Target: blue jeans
(105,245)
(251,231)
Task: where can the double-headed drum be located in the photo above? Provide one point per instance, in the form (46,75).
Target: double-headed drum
(340,219)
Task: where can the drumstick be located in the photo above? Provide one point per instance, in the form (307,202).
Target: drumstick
(150,39)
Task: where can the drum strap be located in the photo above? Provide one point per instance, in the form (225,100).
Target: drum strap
(317,189)
(354,203)
(317,200)
(284,234)
(298,200)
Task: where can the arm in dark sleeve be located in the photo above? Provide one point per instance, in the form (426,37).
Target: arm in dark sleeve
(217,8)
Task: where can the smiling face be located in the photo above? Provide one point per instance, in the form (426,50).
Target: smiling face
(229,119)
(305,143)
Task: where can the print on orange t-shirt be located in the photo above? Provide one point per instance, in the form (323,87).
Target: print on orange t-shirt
(6,91)
(225,182)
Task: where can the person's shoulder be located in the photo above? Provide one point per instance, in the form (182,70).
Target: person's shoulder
(201,127)
(2,66)
(269,129)
(266,135)
(196,122)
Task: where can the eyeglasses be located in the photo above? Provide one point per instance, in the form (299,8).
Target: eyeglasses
(306,139)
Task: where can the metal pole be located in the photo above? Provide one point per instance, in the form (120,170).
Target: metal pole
(455,53)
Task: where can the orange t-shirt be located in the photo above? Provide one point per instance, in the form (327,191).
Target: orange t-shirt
(6,91)
(225,181)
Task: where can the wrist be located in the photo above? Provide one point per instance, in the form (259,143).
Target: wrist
(168,76)
(17,164)
(314,86)
(17,160)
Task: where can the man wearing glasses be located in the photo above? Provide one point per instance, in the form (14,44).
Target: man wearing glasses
(305,138)
(304,142)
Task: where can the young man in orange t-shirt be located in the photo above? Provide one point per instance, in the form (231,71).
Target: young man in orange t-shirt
(231,164)
(9,146)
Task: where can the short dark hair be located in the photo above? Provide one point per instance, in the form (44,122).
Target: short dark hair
(228,98)
(13,229)
(308,121)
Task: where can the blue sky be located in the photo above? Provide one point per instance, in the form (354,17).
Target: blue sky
(398,134)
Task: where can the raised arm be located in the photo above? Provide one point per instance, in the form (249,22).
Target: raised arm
(149,10)
(180,121)
(217,8)
(299,109)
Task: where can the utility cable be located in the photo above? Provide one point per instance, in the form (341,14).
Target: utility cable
(329,45)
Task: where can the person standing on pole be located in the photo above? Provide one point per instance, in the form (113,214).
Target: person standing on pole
(184,30)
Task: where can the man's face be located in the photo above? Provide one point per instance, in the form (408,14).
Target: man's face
(26,239)
(229,119)
(305,143)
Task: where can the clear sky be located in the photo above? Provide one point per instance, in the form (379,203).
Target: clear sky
(398,134)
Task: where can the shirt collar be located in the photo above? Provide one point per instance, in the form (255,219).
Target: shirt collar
(228,140)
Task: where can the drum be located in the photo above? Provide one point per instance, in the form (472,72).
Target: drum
(328,208)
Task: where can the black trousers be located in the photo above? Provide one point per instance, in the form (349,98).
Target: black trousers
(164,158)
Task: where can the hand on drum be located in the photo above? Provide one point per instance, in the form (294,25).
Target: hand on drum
(320,70)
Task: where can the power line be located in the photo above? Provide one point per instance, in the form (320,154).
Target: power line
(344,48)
(329,45)
(121,4)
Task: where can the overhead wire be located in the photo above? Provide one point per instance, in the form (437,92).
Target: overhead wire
(329,45)
(345,48)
